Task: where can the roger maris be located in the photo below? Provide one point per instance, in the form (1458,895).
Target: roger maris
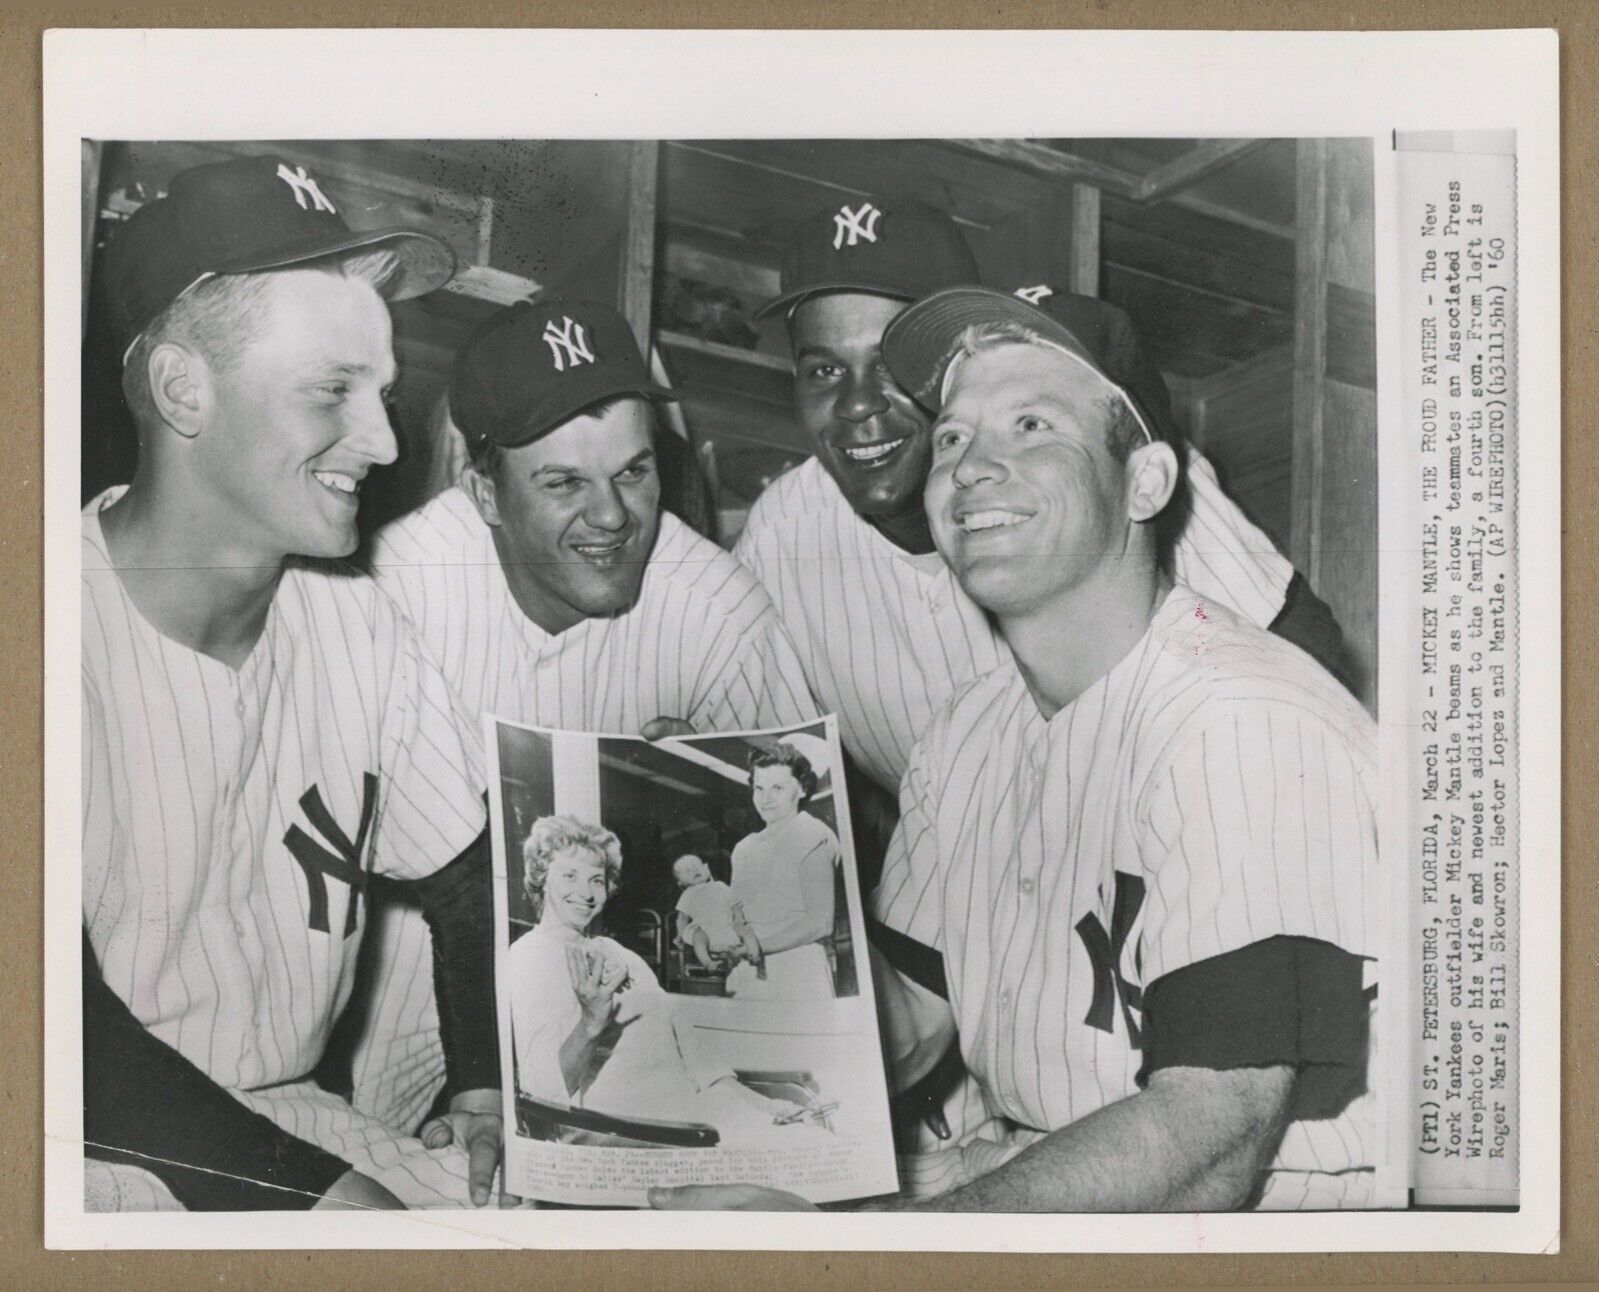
(263,733)
(1143,848)
(553,590)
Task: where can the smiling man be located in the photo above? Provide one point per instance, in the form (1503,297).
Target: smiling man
(884,630)
(1144,848)
(263,733)
(842,538)
(555,591)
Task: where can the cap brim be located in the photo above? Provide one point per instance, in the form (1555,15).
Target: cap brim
(919,343)
(426,262)
(556,413)
(788,300)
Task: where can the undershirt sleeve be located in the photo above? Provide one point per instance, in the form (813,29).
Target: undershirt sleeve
(146,1105)
(1289,1001)
(458,904)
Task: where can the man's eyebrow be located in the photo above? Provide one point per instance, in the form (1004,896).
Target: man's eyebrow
(341,368)
(323,369)
(820,351)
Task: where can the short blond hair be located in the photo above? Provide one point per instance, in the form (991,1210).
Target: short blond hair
(1124,431)
(219,317)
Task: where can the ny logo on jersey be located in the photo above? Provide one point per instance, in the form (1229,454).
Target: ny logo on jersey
(342,862)
(569,343)
(855,225)
(1105,954)
(1032,295)
(305,187)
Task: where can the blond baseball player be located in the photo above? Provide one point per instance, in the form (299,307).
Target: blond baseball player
(1144,847)
(883,628)
(554,590)
(842,538)
(263,733)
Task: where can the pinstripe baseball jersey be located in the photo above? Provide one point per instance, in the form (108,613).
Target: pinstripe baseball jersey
(701,643)
(233,818)
(887,637)
(1213,790)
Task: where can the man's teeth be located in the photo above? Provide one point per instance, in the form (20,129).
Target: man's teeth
(976,520)
(338,480)
(874,451)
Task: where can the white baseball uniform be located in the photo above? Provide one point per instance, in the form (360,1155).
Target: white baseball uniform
(1215,789)
(886,637)
(233,818)
(702,643)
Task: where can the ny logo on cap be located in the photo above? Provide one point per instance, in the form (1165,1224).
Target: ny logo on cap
(569,339)
(1032,295)
(855,225)
(305,187)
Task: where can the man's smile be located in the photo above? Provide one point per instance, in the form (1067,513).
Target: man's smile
(339,482)
(602,552)
(871,455)
(978,520)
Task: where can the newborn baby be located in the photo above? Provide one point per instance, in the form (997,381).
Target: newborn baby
(710,920)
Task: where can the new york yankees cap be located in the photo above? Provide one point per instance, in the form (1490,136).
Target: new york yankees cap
(534,365)
(920,343)
(239,216)
(881,247)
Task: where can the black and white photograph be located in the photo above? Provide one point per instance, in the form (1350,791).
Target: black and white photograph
(909,668)
(680,970)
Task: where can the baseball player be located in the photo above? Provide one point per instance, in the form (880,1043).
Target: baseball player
(1144,847)
(843,540)
(554,590)
(263,733)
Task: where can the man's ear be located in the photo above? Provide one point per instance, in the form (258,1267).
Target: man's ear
(1152,471)
(480,489)
(180,387)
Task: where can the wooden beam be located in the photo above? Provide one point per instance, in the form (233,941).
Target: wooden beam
(637,286)
(720,271)
(485,283)
(1266,363)
(1082,275)
(1333,481)
(1310,359)
(1351,336)
(1044,160)
(91,212)
(726,353)
(1194,165)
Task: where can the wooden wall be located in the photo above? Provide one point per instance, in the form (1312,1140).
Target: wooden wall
(1333,538)
(1242,419)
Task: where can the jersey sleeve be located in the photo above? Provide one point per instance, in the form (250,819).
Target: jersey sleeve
(753,679)
(99,814)
(1259,825)
(432,804)
(146,1105)
(909,898)
(1224,555)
